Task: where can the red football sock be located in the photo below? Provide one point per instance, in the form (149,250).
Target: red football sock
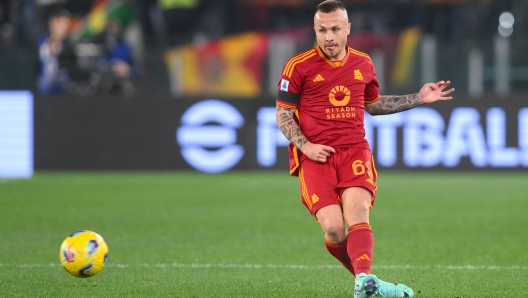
(339,251)
(360,245)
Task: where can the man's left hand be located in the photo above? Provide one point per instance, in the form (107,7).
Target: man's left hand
(432,92)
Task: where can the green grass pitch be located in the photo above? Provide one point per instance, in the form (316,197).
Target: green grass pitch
(246,234)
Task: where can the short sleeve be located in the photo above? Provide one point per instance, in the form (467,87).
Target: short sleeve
(289,87)
(372,88)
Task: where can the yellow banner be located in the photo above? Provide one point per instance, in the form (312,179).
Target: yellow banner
(405,56)
(229,67)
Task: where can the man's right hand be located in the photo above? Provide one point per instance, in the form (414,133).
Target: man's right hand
(317,152)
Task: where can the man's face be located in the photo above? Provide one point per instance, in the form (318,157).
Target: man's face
(59,27)
(331,30)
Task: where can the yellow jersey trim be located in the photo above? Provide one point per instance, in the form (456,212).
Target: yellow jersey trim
(290,66)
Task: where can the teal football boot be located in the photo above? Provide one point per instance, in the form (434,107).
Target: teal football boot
(387,289)
(366,285)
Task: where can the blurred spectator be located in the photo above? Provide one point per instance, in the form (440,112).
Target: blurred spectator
(88,62)
(119,71)
(53,76)
(45,9)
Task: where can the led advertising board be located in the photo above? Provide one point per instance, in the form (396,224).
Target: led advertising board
(16,134)
(218,135)
(421,137)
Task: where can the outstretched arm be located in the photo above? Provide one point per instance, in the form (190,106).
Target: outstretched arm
(390,104)
(292,132)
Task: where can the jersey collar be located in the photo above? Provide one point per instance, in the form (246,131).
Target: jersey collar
(334,63)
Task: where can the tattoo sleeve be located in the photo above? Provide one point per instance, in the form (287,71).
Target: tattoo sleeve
(390,104)
(289,127)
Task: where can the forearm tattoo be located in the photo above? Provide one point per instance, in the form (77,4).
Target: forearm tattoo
(390,104)
(289,127)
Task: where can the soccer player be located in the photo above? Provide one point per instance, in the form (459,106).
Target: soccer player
(323,93)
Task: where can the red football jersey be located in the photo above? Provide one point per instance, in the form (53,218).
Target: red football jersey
(329,98)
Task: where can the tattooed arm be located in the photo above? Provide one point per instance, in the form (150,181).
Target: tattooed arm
(292,131)
(391,104)
(289,127)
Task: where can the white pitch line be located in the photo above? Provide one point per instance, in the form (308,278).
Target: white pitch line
(274,266)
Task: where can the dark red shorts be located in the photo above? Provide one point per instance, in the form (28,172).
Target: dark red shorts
(322,184)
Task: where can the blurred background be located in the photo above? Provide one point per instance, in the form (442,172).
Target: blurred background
(167,46)
(102,72)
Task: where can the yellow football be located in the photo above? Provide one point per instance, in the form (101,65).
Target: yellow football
(83,253)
